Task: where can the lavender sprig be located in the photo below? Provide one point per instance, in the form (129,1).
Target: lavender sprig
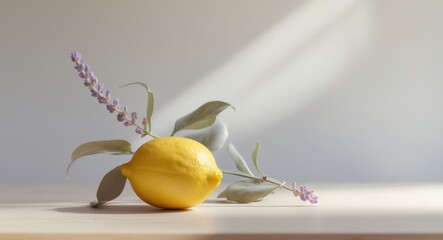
(248,191)
(103,96)
(304,193)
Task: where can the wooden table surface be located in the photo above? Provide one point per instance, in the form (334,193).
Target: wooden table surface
(344,211)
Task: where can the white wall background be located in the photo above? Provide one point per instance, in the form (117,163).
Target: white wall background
(335,90)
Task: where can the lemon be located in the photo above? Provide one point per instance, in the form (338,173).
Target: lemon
(172,172)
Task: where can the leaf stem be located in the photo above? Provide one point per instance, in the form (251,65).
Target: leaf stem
(269,180)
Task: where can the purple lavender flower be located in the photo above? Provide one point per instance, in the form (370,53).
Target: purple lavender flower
(304,193)
(133,117)
(103,96)
(112,107)
(122,116)
(75,56)
(92,80)
(104,99)
(140,131)
(132,121)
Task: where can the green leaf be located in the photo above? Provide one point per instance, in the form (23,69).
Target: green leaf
(202,117)
(255,158)
(213,137)
(115,147)
(111,187)
(150,109)
(245,191)
(240,162)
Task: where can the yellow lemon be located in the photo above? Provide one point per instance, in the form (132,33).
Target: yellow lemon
(172,172)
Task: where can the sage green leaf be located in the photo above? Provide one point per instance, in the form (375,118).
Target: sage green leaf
(239,161)
(150,109)
(245,191)
(110,187)
(213,137)
(255,158)
(202,117)
(115,147)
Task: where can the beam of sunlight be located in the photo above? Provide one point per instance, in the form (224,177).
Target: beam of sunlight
(284,69)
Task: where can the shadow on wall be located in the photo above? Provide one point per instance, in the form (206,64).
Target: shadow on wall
(286,67)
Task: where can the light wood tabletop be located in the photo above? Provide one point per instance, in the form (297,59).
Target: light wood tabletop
(344,211)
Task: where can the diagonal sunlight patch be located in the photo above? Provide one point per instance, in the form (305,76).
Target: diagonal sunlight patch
(285,68)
